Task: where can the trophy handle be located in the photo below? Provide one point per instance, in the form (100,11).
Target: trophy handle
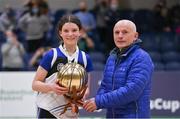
(78,99)
(82,93)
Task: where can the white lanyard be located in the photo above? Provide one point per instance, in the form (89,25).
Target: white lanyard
(73,57)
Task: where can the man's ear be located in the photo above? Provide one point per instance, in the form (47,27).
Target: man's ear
(136,35)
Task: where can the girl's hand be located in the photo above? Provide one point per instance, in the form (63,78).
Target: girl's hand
(59,90)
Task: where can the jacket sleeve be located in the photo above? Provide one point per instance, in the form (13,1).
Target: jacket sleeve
(138,77)
(101,89)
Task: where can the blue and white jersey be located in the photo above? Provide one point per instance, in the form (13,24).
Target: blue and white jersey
(51,62)
(59,56)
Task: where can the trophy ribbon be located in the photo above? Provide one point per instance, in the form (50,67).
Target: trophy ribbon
(75,100)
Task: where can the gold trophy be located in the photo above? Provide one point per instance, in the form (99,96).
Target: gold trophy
(74,77)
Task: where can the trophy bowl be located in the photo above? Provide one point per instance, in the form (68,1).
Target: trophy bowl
(72,76)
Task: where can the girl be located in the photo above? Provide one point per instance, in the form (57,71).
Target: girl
(50,99)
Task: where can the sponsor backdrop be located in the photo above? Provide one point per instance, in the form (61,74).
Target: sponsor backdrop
(18,100)
(16,97)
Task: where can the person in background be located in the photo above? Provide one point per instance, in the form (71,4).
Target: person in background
(174,18)
(37,57)
(8,19)
(85,42)
(161,15)
(87,19)
(41,4)
(12,53)
(126,85)
(35,25)
(111,17)
(50,99)
(100,10)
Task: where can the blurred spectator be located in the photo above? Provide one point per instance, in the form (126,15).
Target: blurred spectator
(100,11)
(86,18)
(112,17)
(44,8)
(85,42)
(42,5)
(36,58)
(175,18)
(35,25)
(8,19)
(161,22)
(113,12)
(12,53)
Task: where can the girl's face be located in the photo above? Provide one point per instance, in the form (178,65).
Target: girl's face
(70,34)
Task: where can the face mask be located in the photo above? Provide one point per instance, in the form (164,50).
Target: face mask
(9,40)
(114,6)
(35,10)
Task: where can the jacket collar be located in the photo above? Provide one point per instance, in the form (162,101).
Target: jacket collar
(125,51)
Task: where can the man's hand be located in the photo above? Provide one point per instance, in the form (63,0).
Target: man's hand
(90,105)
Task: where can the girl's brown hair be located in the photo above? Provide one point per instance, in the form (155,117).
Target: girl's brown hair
(69,18)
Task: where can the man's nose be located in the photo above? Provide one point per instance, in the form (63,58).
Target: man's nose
(120,34)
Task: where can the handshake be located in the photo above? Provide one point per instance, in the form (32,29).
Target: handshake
(90,105)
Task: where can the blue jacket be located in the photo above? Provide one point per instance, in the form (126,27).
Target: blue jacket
(126,86)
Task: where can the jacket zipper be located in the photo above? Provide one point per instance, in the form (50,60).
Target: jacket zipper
(136,110)
(116,63)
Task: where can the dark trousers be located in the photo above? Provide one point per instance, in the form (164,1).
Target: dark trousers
(44,114)
(33,45)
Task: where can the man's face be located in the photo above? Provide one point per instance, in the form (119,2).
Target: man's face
(124,35)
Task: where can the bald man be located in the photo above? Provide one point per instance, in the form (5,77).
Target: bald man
(126,85)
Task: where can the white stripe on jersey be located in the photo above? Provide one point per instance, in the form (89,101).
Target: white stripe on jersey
(84,58)
(54,56)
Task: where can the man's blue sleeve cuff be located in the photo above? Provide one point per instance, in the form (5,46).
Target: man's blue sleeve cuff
(97,102)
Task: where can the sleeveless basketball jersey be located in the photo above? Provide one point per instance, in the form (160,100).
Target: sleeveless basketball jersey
(52,62)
